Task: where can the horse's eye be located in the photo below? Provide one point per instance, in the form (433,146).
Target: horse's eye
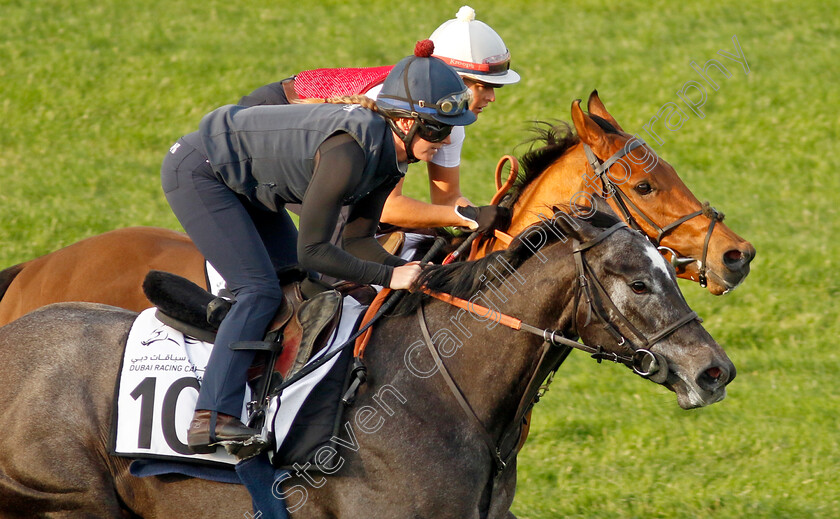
(638,287)
(643,188)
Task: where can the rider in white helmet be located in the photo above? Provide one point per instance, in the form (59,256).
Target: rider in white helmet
(482,60)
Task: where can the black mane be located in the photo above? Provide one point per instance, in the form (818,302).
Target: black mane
(462,279)
(555,141)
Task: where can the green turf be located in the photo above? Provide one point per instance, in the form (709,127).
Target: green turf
(92,94)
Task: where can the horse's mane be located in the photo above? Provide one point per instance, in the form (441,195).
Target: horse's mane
(554,140)
(463,279)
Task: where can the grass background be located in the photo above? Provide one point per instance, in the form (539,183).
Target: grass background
(92,94)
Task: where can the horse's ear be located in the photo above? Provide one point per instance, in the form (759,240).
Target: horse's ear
(571,226)
(597,107)
(587,129)
(599,205)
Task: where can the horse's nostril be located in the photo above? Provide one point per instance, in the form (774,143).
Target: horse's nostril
(733,255)
(713,378)
(734,260)
(737,260)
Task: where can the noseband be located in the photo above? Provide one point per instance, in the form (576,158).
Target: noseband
(609,187)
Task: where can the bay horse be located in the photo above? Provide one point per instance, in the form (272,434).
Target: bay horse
(427,458)
(110,268)
(601,160)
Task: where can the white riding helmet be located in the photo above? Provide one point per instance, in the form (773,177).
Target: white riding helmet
(474,49)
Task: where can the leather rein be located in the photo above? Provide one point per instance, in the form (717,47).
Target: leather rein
(622,200)
(556,346)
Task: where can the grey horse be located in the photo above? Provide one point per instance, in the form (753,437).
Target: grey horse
(408,449)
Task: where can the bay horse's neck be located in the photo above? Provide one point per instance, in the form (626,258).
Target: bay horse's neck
(555,186)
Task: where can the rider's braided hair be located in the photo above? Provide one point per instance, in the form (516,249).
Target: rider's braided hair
(357,99)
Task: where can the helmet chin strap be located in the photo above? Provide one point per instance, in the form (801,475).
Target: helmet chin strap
(406,137)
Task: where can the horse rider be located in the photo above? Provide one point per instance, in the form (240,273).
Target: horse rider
(228,184)
(482,60)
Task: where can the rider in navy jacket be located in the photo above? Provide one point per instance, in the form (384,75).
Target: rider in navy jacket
(228,184)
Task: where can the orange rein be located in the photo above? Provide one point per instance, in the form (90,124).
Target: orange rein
(362,340)
(505,320)
(514,172)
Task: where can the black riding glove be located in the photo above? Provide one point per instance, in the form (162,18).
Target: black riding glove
(487,217)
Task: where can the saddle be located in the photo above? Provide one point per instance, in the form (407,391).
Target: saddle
(300,329)
(392,242)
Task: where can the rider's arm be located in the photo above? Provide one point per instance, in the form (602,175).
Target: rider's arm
(445,185)
(403,211)
(444,191)
(339,169)
(271,94)
(362,223)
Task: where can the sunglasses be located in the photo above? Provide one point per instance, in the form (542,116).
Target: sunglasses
(432,132)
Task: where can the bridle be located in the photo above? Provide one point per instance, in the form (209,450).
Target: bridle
(598,301)
(556,346)
(622,200)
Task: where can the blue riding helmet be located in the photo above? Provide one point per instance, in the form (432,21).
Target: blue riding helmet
(423,87)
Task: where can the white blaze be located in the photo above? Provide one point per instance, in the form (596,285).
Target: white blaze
(657,259)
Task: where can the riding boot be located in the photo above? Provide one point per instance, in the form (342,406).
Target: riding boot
(209,429)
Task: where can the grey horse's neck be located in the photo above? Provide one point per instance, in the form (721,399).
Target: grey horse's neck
(493,364)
